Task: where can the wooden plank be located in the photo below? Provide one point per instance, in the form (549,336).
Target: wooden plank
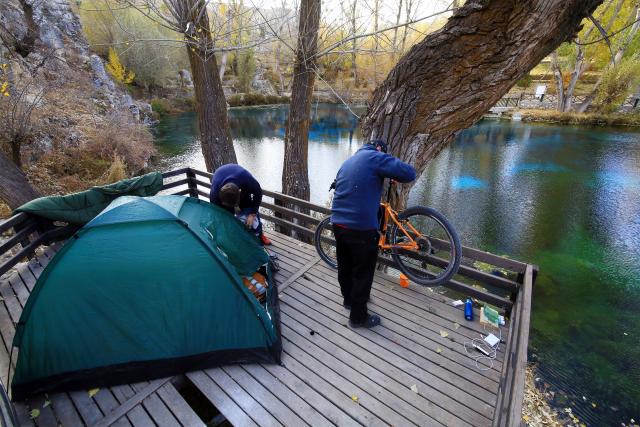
(87,408)
(444,390)
(446,363)
(350,383)
(327,302)
(178,407)
(264,397)
(296,201)
(424,408)
(285,223)
(154,406)
(299,273)
(46,418)
(219,398)
(174,173)
(107,403)
(449,366)
(65,411)
(175,184)
(13,221)
(422,314)
(18,238)
(290,212)
(22,414)
(137,415)
(340,398)
(298,404)
(202,173)
(116,412)
(242,398)
(517,392)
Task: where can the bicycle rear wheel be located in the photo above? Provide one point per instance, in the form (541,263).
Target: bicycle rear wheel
(437,258)
(325,242)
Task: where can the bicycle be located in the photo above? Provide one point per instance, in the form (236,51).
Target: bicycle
(422,242)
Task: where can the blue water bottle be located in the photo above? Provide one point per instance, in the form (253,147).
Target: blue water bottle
(468,309)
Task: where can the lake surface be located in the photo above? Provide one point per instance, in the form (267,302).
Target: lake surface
(564,198)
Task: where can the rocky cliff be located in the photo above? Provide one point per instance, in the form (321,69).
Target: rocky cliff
(62,111)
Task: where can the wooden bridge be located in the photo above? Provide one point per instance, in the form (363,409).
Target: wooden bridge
(411,370)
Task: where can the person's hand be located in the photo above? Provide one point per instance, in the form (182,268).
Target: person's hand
(249,221)
(393,181)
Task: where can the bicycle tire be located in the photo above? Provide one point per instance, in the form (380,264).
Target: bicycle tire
(452,265)
(325,224)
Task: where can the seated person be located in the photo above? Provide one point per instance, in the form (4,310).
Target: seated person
(234,188)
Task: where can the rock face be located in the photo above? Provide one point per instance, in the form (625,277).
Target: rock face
(261,84)
(48,55)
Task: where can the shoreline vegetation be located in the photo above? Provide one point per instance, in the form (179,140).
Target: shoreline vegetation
(573,118)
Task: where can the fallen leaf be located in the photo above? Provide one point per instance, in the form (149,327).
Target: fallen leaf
(438,350)
(93,392)
(456,325)
(354,398)
(414,388)
(35,413)
(593,404)
(444,334)
(525,418)
(46,403)
(584,398)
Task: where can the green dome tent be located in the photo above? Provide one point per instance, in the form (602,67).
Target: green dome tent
(150,287)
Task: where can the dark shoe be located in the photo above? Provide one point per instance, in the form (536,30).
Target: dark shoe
(265,240)
(371,321)
(347,306)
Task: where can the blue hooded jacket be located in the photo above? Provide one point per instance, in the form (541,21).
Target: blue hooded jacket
(251,193)
(359,187)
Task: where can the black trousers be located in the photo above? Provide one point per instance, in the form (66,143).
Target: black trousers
(357,253)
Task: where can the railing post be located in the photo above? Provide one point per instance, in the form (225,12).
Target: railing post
(191,183)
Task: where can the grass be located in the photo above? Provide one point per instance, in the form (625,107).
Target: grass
(572,118)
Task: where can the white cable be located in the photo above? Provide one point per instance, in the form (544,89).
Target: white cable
(470,349)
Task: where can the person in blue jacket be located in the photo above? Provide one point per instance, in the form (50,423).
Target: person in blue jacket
(354,214)
(234,188)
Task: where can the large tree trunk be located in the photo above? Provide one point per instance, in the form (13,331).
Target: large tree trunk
(453,76)
(211,105)
(15,189)
(295,176)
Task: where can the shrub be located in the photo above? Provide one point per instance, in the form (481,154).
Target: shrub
(618,83)
(117,70)
(272,99)
(235,100)
(117,171)
(161,106)
(254,99)
(525,81)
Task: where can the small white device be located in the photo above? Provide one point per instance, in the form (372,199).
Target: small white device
(491,340)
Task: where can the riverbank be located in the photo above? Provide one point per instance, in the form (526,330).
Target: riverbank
(572,118)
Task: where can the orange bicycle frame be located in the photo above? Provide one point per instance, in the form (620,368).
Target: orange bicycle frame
(391,215)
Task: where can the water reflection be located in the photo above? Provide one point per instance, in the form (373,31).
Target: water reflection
(565,198)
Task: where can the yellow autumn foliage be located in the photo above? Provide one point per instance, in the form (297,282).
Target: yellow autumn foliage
(117,70)
(4,82)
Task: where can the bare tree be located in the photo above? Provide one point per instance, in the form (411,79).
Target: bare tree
(295,175)
(450,78)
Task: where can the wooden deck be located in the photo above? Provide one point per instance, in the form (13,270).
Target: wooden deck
(410,370)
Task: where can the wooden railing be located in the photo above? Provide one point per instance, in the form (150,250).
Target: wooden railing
(512,292)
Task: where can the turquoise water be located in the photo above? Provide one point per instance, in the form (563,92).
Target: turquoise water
(565,198)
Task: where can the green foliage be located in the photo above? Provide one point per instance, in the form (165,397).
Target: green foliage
(160,106)
(235,100)
(254,99)
(525,81)
(246,69)
(117,70)
(617,84)
(248,99)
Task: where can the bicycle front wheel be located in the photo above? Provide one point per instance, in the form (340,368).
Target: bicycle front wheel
(437,256)
(325,242)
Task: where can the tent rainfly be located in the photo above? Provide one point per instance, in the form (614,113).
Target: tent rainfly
(151,287)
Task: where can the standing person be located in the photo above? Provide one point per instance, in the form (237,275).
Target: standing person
(234,188)
(358,189)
